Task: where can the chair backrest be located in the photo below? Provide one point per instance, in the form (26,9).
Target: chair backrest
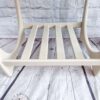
(20,18)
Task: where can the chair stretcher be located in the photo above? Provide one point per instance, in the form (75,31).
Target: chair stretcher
(9,60)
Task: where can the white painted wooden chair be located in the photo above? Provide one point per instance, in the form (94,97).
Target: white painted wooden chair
(9,60)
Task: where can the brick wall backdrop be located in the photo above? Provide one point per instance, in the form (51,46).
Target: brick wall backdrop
(48,11)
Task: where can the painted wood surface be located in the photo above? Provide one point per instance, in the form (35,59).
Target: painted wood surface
(11,61)
(28,83)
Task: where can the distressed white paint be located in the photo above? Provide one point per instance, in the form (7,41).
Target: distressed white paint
(48,83)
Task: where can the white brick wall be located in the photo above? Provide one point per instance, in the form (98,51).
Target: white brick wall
(48,11)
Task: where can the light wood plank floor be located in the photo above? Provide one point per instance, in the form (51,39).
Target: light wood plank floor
(63,83)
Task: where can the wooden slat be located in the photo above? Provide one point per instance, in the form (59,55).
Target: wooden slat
(44,44)
(39,79)
(75,44)
(29,45)
(54,62)
(59,42)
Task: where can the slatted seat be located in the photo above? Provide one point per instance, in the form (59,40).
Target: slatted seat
(7,61)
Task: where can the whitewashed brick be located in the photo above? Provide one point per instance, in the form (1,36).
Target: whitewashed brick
(48,11)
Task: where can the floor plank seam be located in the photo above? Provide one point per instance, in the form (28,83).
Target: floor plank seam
(4,95)
(72,82)
(86,78)
(83,68)
(12,83)
(88,83)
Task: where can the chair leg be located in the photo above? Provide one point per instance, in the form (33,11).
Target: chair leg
(92,54)
(8,70)
(20,41)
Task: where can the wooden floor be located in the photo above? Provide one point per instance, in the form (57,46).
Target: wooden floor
(65,83)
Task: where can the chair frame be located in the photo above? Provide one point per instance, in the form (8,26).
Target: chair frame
(9,60)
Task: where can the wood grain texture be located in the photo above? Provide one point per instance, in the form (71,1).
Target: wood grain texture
(33,92)
(96,44)
(92,82)
(6,81)
(44,45)
(51,83)
(78,79)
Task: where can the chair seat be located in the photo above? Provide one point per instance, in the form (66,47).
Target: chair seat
(43,59)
